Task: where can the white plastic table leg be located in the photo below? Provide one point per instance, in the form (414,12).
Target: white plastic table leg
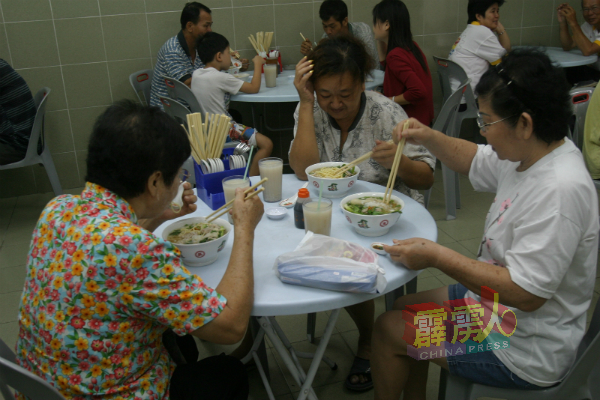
(312,371)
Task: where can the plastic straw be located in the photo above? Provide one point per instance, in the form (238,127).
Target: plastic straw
(320,194)
(248,163)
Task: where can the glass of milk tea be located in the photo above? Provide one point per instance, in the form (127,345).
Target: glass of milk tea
(231,183)
(317,217)
(272,168)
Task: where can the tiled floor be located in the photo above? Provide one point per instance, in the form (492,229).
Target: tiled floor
(18,216)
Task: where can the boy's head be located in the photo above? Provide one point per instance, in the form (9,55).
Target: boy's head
(214,48)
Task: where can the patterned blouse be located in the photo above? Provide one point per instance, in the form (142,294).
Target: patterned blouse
(376,120)
(99,293)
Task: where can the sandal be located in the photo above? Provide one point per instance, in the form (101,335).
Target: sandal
(360,367)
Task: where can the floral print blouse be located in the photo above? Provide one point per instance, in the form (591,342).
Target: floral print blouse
(100,291)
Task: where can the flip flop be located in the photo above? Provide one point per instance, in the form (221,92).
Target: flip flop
(360,366)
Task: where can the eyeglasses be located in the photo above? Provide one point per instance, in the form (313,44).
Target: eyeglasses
(594,9)
(483,126)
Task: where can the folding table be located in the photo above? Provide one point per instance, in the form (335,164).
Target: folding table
(273,298)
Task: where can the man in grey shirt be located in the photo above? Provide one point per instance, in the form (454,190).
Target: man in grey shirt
(334,16)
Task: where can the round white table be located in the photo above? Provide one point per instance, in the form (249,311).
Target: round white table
(566,59)
(286,92)
(275,237)
(272,297)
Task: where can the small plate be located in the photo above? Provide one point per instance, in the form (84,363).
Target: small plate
(377,247)
(241,76)
(276,212)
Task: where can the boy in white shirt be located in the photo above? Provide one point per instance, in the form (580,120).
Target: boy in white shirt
(210,85)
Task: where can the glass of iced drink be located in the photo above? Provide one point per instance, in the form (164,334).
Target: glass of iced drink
(317,217)
(272,168)
(231,183)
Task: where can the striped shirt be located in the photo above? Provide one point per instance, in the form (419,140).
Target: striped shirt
(17,109)
(173,60)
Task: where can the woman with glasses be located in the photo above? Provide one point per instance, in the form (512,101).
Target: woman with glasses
(585,37)
(539,245)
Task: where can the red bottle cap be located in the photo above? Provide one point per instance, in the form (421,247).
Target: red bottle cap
(303,193)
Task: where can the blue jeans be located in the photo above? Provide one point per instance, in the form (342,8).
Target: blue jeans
(484,367)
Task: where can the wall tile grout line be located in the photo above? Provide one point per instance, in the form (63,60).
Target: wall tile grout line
(149,41)
(6,36)
(62,74)
(106,55)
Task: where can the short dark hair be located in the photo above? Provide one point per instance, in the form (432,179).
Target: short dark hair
(209,45)
(130,142)
(191,13)
(333,8)
(480,7)
(527,81)
(339,55)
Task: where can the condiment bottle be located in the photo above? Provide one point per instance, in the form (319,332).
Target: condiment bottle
(303,197)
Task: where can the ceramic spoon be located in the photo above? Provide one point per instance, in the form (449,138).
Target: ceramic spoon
(289,202)
(377,247)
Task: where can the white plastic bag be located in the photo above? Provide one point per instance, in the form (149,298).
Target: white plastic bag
(328,263)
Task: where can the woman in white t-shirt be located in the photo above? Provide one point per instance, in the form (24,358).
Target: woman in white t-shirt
(540,242)
(482,43)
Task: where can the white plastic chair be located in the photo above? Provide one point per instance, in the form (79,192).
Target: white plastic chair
(37,132)
(141,81)
(447,69)
(446,122)
(580,100)
(582,382)
(7,354)
(175,110)
(180,91)
(26,383)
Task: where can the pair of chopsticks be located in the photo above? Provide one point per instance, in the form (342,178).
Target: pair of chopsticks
(354,163)
(390,185)
(303,38)
(224,208)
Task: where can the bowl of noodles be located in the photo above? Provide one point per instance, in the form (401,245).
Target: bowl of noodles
(199,242)
(323,174)
(369,215)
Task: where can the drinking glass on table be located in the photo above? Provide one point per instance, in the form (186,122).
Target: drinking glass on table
(231,183)
(317,216)
(272,168)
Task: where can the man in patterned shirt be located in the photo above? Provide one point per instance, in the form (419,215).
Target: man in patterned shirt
(178,57)
(334,16)
(101,289)
(17,112)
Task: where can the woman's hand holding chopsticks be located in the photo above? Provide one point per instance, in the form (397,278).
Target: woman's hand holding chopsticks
(224,208)
(247,211)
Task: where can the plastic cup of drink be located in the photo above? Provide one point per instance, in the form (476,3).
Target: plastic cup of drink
(272,168)
(271,75)
(231,183)
(317,218)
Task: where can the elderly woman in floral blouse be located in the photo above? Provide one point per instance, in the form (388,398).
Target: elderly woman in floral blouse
(343,124)
(101,289)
